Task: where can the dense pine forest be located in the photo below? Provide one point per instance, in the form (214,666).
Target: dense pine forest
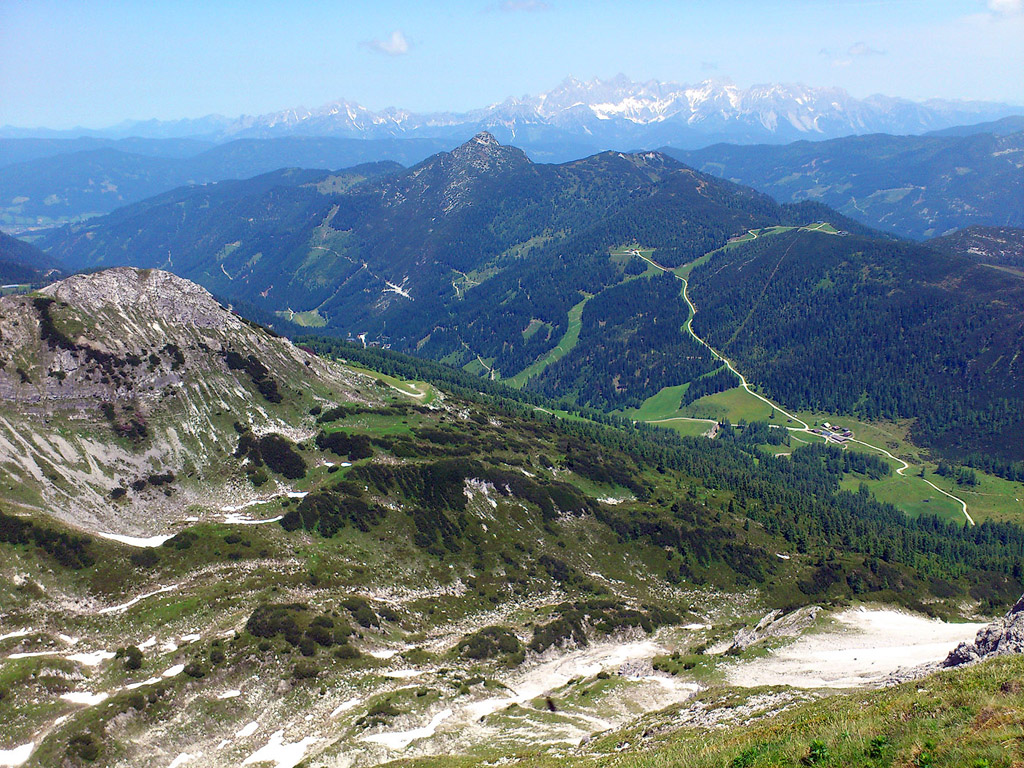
(877,329)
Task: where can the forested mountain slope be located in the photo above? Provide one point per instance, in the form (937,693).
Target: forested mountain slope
(913,186)
(847,324)
(22,262)
(458,258)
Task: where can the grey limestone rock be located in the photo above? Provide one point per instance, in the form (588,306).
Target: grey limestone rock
(1001,637)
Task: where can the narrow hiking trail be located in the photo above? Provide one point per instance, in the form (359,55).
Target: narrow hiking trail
(804,427)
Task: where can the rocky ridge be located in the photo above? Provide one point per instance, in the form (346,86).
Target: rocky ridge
(114,377)
(1001,637)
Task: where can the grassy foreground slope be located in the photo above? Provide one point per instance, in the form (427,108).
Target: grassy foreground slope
(968,718)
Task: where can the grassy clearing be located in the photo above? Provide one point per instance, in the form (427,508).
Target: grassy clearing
(910,495)
(565,346)
(734,404)
(661,405)
(685,426)
(420,391)
(534,326)
(309,319)
(993,498)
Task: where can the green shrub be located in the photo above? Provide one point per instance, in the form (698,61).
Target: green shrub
(183,540)
(270,620)
(876,748)
(279,455)
(361,612)
(84,746)
(489,643)
(132,657)
(817,753)
(345,651)
(305,670)
(145,558)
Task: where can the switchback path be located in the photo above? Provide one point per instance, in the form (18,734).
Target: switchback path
(804,427)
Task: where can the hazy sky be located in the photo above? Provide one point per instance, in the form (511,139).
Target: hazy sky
(95,63)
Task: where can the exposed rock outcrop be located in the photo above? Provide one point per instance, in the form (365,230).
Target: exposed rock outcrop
(1001,637)
(775,624)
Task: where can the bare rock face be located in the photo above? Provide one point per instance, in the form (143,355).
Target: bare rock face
(775,624)
(999,638)
(152,292)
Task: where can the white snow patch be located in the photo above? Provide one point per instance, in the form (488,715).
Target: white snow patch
(16,756)
(191,638)
(247,731)
(403,674)
(136,541)
(147,643)
(230,694)
(177,669)
(401,739)
(32,654)
(90,659)
(183,758)
(89,699)
(151,681)
(390,653)
(345,706)
(125,606)
(232,508)
(243,520)
(17,633)
(281,754)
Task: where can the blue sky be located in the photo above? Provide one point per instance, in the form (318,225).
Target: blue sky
(95,63)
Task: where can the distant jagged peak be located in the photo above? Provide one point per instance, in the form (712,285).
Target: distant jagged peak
(484,153)
(485,139)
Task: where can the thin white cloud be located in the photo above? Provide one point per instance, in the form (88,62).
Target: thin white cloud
(709,66)
(863,49)
(395,45)
(528,6)
(1006,7)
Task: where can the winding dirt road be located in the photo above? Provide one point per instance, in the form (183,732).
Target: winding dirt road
(804,427)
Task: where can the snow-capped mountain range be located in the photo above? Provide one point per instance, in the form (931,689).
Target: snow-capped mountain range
(616,113)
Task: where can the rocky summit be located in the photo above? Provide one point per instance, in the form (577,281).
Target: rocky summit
(115,377)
